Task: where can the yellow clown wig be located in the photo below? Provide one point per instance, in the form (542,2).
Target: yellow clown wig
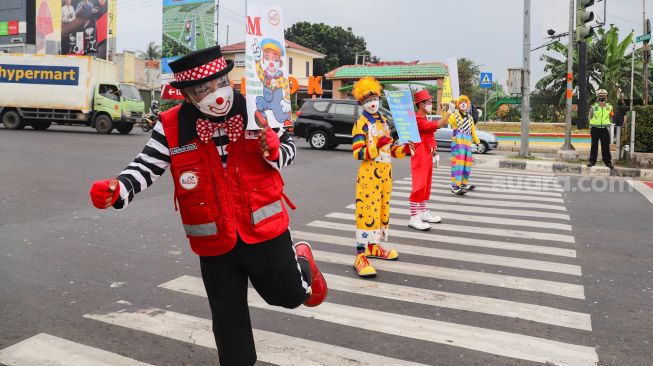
(365,87)
(463,98)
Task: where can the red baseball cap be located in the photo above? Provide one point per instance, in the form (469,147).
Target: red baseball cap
(421,96)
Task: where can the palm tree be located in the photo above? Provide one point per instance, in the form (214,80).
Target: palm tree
(153,52)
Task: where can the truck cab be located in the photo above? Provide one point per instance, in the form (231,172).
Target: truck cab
(117,105)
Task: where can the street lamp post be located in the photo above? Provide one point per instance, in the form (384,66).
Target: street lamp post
(523,151)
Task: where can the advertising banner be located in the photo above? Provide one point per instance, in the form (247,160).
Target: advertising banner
(266,69)
(48,27)
(187,26)
(403,114)
(84,27)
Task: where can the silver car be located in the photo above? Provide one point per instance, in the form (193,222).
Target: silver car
(443,138)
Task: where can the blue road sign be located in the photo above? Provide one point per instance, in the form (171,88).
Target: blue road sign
(486,80)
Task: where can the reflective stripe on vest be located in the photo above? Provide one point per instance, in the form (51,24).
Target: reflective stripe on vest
(201,229)
(601,116)
(266,211)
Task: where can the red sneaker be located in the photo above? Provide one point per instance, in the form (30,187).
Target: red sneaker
(319,287)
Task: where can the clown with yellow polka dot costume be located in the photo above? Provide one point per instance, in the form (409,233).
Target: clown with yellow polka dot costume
(373,146)
(269,68)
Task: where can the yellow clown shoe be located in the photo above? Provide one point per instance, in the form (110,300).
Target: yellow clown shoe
(379,252)
(363,267)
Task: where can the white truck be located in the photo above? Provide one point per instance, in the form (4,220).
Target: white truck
(37,90)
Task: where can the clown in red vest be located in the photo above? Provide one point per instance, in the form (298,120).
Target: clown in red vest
(422,162)
(229,192)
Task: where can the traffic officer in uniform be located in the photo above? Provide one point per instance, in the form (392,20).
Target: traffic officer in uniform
(229,192)
(600,119)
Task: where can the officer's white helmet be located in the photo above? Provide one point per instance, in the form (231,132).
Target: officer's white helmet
(602,93)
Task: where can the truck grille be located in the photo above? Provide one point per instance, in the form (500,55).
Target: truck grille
(137,114)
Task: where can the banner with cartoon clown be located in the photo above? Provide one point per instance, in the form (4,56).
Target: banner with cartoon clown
(266,69)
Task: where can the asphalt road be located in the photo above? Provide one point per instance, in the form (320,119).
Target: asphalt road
(466,293)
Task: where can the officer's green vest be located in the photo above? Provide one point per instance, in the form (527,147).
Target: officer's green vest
(601,115)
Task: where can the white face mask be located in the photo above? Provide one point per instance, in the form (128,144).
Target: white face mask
(372,106)
(218,103)
(428,108)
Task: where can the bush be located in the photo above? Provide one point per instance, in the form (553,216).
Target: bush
(643,129)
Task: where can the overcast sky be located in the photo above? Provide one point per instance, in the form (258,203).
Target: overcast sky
(486,31)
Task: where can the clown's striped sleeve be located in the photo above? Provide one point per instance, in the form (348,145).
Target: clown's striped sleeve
(287,150)
(361,146)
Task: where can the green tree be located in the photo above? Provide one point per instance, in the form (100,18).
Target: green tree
(153,52)
(608,66)
(340,45)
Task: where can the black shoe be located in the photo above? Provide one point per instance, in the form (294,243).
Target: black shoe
(590,165)
(609,165)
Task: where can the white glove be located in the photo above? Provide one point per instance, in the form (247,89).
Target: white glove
(452,108)
(436,161)
(285,106)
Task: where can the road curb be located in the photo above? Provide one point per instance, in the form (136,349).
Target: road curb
(561,168)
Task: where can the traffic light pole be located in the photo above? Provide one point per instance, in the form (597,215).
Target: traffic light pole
(582,84)
(570,78)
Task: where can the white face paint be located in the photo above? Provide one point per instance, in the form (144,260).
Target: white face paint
(213,98)
(463,106)
(218,103)
(371,105)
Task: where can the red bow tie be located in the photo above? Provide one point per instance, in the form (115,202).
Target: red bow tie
(233,125)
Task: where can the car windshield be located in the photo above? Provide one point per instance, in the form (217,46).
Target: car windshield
(130,92)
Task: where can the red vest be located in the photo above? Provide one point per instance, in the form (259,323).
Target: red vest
(216,204)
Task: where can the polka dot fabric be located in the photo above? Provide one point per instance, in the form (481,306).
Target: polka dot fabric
(202,71)
(234,127)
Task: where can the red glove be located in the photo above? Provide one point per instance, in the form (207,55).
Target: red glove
(408,150)
(385,140)
(105,193)
(270,143)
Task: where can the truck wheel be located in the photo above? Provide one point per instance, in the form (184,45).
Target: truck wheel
(41,125)
(125,129)
(103,124)
(13,121)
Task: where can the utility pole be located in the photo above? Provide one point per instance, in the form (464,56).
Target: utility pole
(631,153)
(217,22)
(526,75)
(645,52)
(227,43)
(485,105)
(570,78)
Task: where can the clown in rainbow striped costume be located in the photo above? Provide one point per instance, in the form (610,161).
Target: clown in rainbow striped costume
(464,134)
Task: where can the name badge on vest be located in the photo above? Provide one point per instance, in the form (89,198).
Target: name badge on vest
(183,149)
(251,135)
(189,180)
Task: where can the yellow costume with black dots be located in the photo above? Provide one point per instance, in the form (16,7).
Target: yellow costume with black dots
(374,180)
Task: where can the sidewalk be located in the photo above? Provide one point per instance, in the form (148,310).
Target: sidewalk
(552,166)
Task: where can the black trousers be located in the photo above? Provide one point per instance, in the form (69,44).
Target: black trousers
(600,135)
(275,273)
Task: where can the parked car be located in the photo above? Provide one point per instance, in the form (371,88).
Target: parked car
(443,138)
(327,123)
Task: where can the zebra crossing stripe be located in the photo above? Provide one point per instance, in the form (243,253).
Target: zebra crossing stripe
(481,202)
(47,350)
(486,189)
(459,240)
(506,233)
(491,211)
(476,172)
(460,275)
(509,181)
(500,343)
(495,260)
(486,219)
(478,304)
(271,347)
(488,195)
